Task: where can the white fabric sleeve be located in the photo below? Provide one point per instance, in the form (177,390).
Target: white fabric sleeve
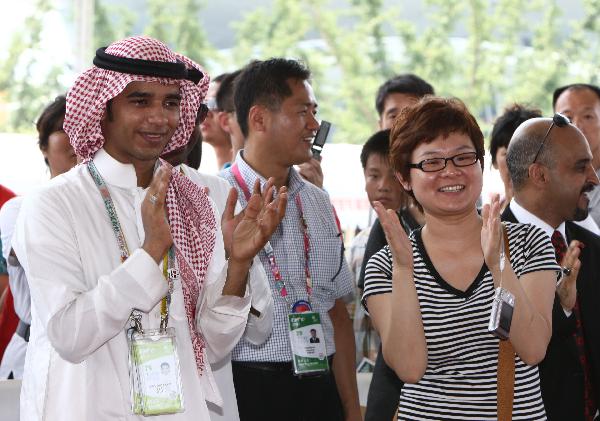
(78,316)
(220,318)
(259,328)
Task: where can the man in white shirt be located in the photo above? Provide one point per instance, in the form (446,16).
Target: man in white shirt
(91,242)
(550,165)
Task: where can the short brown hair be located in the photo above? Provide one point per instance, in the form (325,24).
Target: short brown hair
(425,121)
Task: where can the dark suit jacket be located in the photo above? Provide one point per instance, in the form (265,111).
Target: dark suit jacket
(561,373)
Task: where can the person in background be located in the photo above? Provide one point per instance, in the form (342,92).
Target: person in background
(227,116)
(396,94)
(380,185)
(580,102)
(430,294)
(59,157)
(212,133)
(550,164)
(503,129)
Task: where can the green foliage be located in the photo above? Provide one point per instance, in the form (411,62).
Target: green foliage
(177,23)
(111,22)
(25,88)
(508,51)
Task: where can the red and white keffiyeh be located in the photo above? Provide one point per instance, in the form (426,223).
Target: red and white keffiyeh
(191,218)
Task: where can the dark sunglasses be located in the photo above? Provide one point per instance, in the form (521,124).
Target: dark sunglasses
(202,113)
(559,120)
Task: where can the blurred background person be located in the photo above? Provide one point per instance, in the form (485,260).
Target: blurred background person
(60,158)
(212,133)
(380,185)
(503,129)
(580,102)
(226,114)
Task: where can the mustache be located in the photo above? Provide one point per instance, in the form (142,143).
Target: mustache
(588,187)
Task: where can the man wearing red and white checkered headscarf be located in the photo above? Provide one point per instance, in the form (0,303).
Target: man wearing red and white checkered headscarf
(93,244)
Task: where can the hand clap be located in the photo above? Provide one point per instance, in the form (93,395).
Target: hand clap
(247,233)
(154,215)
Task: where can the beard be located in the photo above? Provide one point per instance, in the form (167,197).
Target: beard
(580,214)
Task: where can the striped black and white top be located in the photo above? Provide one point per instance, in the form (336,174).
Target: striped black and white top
(460,379)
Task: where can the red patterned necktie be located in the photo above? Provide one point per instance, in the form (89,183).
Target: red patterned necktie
(560,248)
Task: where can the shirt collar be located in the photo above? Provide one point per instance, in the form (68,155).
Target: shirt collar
(526,217)
(294,184)
(114,172)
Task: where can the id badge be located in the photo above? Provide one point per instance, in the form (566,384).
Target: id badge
(307,340)
(154,373)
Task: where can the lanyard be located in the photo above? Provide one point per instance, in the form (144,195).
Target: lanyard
(168,261)
(268,249)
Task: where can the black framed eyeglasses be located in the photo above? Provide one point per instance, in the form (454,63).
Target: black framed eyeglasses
(201,114)
(559,120)
(437,164)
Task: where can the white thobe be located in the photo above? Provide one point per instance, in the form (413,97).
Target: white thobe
(258,329)
(82,295)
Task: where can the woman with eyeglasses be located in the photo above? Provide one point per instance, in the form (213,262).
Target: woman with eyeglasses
(430,295)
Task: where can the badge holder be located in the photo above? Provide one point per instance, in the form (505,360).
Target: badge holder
(307,339)
(155,374)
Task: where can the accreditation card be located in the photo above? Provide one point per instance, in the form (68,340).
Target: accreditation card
(308,343)
(154,372)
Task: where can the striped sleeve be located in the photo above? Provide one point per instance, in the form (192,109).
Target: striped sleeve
(539,252)
(378,275)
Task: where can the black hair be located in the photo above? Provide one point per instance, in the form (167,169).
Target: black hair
(265,83)
(574,86)
(506,124)
(219,79)
(378,143)
(51,120)
(226,90)
(407,84)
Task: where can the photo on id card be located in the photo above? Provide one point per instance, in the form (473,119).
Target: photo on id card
(308,343)
(156,386)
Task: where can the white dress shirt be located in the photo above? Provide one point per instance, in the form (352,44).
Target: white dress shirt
(258,329)
(77,362)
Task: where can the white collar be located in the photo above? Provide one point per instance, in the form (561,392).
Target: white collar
(114,172)
(526,217)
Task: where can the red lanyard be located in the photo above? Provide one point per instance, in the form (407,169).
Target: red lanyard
(279,282)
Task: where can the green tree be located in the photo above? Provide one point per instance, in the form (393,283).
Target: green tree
(25,83)
(111,23)
(180,28)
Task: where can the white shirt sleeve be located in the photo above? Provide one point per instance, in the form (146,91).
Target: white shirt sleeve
(221,318)
(259,328)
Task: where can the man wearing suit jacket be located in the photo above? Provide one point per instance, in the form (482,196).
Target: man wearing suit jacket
(550,164)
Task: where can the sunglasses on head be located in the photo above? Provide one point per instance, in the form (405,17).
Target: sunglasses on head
(559,120)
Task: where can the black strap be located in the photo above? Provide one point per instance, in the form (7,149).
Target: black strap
(142,67)
(23,330)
